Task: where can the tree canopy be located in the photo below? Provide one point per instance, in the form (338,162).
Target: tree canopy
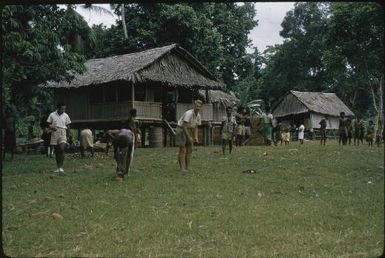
(332,47)
(39,45)
(337,47)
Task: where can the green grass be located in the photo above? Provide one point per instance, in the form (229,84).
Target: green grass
(303,201)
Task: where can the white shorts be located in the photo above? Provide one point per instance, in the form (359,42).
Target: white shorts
(240,130)
(86,138)
(59,136)
(247,130)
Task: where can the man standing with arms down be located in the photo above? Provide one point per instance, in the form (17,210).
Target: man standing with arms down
(227,129)
(187,134)
(343,129)
(59,124)
(322,130)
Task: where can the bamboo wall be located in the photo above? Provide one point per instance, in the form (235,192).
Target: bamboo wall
(219,111)
(81,109)
(290,105)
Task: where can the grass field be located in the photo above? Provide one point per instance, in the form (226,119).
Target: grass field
(303,201)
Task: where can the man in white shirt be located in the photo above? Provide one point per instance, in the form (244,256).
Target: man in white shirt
(59,125)
(187,134)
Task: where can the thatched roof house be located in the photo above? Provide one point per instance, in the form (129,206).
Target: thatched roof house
(311,107)
(220,101)
(146,80)
(218,96)
(170,65)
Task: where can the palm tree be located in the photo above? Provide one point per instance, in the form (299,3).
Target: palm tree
(95,8)
(123,16)
(76,40)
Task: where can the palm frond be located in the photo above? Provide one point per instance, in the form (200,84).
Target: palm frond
(96,9)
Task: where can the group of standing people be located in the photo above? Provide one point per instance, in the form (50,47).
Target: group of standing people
(349,129)
(238,126)
(235,125)
(56,136)
(353,129)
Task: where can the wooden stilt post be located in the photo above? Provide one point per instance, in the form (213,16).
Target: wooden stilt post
(132,95)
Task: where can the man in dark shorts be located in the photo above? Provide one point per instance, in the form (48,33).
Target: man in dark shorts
(322,130)
(123,144)
(343,131)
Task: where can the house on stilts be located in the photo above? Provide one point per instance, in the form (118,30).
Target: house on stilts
(150,81)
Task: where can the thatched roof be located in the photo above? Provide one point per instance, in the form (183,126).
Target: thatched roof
(218,96)
(318,102)
(171,65)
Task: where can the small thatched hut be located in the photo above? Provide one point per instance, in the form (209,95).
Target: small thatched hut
(220,100)
(147,81)
(311,107)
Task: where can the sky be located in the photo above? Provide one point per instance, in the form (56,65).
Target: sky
(269,15)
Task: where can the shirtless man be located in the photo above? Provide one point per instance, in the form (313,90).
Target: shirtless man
(123,143)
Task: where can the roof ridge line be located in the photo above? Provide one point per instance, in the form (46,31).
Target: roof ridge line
(132,53)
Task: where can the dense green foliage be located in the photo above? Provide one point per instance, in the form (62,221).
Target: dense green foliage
(39,45)
(337,47)
(216,34)
(332,47)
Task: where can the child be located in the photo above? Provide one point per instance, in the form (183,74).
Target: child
(301,133)
(286,134)
(240,120)
(370,133)
(277,134)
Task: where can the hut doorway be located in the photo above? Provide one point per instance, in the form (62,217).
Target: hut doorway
(169,105)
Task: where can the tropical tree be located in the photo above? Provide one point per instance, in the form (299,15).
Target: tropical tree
(354,55)
(36,49)
(216,33)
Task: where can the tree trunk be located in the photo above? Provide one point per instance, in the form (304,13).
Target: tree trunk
(378,104)
(124,22)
